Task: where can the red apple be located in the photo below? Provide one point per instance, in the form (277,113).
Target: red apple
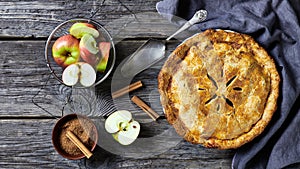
(79,29)
(104,48)
(89,51)
(65,50)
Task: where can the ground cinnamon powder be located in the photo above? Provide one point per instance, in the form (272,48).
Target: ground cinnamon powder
(82,128)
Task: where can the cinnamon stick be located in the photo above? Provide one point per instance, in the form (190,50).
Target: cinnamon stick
(145,107)
(79,144)
(127,89)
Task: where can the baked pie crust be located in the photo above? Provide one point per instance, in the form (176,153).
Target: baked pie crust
(219,89)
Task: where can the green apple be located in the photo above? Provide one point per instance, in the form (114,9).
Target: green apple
(123,128)
(79,29)
(104,48)
(65,50)
(80,72)
(89,51)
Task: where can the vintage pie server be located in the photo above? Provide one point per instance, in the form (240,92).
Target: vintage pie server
(154,50)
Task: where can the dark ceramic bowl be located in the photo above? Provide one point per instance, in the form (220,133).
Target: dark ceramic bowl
(58,129)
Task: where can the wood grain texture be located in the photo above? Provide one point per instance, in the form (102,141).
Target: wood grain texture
(27,144)
(35,19)
(25,135)
(24,73)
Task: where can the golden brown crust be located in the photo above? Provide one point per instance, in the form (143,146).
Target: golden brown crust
(219,89)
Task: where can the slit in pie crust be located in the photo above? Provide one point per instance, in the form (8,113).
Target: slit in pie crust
(219,89)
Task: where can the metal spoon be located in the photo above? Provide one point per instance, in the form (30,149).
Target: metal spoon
(154,50)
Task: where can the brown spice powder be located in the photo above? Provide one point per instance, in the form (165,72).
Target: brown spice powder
(82,128)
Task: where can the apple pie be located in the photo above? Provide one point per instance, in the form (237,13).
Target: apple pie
(219,89)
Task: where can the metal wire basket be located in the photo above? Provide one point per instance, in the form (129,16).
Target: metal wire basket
(63,29)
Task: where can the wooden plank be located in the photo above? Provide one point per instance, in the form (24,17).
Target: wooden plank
(24,73)
(38,19)
(27,144)
(25,19)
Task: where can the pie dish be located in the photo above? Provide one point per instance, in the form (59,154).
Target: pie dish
(219,89)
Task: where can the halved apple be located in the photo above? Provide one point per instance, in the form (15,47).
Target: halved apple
(113,122)
(122,127)
(80,71)
(88,75)
(70,75)
(89,49)
(79,29)
(129,134)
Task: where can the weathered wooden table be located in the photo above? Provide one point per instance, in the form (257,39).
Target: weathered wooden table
(25,128)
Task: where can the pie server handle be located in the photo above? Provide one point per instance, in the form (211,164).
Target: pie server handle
(199,16)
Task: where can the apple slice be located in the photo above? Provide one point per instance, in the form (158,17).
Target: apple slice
(129,133)
(123,128)
(80,29)
(82,72)
(70,74)
(88,49)
(104,48)
(82,24)
(88,75)
(112,123)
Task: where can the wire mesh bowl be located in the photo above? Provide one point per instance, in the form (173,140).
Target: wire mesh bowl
(63,29)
